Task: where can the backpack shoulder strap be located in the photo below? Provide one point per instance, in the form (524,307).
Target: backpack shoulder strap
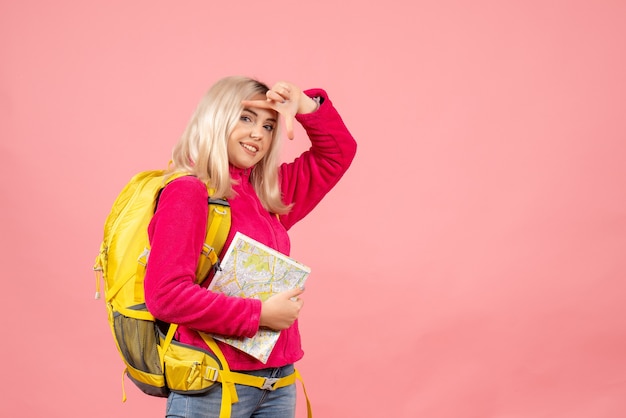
(218,226)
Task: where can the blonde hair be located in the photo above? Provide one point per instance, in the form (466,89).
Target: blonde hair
(202,149)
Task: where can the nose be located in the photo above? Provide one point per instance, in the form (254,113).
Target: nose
(255,132)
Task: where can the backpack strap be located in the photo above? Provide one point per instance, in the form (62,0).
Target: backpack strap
(218,226)
(229,378)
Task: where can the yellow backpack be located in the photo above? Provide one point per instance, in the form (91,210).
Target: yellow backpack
(154,361)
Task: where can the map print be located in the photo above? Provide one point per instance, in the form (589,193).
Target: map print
(253,270)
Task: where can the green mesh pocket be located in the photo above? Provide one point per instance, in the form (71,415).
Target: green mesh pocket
(137,340)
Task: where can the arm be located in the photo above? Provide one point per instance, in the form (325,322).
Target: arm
(306,180)
(177,233)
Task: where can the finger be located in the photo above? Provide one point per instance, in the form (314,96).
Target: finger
(276,96)
(281,88)
(289,126)
(264,104)
(294,293)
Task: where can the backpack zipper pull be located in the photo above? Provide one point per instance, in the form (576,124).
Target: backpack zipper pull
(98,271)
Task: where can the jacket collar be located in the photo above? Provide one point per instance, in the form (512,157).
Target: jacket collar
(240,173)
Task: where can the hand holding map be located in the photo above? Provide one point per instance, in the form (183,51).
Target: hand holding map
(251,269)
(281,310)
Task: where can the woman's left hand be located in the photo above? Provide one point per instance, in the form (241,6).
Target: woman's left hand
(288,100)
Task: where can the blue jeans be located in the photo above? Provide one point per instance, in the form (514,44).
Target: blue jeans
(253,402)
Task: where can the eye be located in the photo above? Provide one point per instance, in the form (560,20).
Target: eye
(268,128)
(245,118)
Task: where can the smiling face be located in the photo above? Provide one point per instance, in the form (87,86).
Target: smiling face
(252,137)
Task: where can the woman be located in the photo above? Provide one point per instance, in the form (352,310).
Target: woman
(232,144)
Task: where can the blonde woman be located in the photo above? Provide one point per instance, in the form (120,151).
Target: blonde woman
(232,143)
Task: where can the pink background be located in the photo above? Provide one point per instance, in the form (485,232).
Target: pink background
(470,264)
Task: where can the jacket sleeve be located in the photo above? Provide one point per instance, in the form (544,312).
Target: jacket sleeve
(177,233)
(306,180)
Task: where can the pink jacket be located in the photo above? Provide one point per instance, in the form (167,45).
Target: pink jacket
(177,234)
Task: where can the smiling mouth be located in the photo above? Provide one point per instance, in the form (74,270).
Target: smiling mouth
(250,148)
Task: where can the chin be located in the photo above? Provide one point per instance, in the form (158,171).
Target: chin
(243,166)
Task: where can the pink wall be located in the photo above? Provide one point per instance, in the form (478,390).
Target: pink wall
(471,264)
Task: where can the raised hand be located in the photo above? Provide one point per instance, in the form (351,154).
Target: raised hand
(288,100)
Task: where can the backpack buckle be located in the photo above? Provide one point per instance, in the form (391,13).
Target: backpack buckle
(269,383)
(210,253)
(143,257)
(211,374)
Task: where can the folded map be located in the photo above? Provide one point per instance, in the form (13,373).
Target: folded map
(253,270)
